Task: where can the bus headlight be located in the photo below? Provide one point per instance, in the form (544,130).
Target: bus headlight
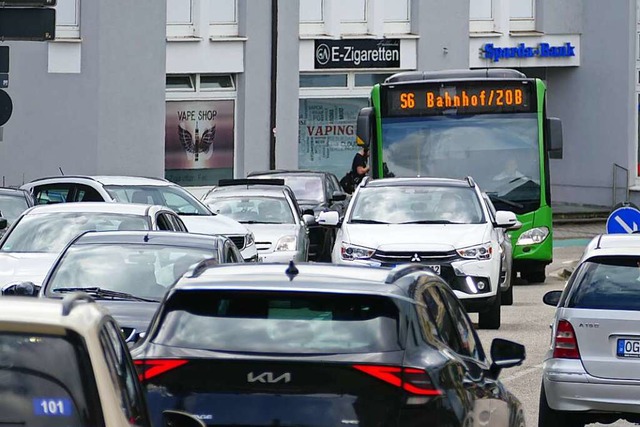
(482,251)
(533,236)
(286,243)
(351,252)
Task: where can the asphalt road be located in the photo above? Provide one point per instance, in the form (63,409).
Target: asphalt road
(527,322)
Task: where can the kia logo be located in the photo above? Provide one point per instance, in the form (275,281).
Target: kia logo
(322,54)
(268,378)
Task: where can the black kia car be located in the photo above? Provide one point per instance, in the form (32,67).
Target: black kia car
(316,345)
(316,192)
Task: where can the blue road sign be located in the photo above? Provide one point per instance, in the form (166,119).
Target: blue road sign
(623,220)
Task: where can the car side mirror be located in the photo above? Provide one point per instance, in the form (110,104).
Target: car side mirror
(331,218)
(25,289)
(308,212)
(3,223)
(507,220)
(338,196)
(181,419)
(308,219)
(552,298)
(505,354)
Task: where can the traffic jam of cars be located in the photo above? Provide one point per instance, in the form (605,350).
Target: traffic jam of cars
(281,299)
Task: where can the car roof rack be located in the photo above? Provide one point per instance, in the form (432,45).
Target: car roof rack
(70,300)
(202,266)
(250,181)
(470,180)
(403,270)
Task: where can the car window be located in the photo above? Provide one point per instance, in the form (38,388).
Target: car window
(608,283)
(279,322)
(47,381)
(142,270)
(172,196)
(164,223)
(50,232)
(52,193)
(232,253)
(469,342)
(417,204)
(177,223)
(85,193)
(12,206)
(123,374)
(252,209)
(440,315)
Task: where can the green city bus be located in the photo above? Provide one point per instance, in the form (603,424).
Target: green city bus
(488,124)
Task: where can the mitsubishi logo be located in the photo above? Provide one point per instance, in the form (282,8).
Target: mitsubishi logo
(415,258)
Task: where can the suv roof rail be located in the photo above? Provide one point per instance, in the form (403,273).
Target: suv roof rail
(63,176)
(70,300)
(402,270)
(249,181)
(201,267)
(365,180)
(470,181)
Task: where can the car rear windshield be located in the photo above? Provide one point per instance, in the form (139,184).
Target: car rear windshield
(280,322)
(608,283)
(46,381)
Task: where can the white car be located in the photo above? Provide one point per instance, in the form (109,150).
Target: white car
(443,224)
(269,209)
(132,189)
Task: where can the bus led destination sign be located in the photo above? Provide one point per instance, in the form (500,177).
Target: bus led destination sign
(445,98)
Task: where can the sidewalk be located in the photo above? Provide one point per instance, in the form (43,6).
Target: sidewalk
(585,230)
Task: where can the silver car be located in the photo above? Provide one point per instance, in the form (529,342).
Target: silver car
(269,209)
(591,372)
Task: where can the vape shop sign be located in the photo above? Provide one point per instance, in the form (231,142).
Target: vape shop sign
(357,53)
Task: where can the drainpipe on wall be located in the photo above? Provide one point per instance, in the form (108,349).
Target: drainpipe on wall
(274,79)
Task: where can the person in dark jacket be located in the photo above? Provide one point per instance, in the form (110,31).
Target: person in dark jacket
(359,167)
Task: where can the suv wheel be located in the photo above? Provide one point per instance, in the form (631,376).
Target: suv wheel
(490,319)
(548,417)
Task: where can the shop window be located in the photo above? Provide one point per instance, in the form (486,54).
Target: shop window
(522,15)
(223,17)
(323,80)
(370,79)
(481,15)
(397,16)
(353,16)
(180,18)
(212,82)
(68,19)
(180,82)
(312,17)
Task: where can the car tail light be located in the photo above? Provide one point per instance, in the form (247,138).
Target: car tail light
(414,381)
(149,368)
(565,345)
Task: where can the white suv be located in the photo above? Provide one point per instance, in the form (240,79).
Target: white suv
(132,189)
(65,363)
(444,224)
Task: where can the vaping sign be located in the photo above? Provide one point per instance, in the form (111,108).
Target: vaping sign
(199,135)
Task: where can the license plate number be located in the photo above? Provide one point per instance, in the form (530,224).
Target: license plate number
(435,268)
(628,348)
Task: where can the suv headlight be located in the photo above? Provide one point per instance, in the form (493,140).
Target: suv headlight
(483,251)
(533,236)
(249,239)
(286,243)
(351,252)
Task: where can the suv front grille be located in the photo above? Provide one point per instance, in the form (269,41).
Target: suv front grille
(238,241)
(394,258)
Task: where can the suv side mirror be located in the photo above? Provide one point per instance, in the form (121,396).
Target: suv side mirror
(25,289)
(505,354)
(338,196)
(555,138)
(308,219)
(507,220)
(329,218)
(552,298)
(181,419)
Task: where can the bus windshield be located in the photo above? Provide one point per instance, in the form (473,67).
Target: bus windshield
(500,151)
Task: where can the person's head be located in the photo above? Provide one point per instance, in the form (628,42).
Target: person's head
(365,150)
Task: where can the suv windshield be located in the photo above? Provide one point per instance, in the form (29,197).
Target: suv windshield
(12,207)
(417,205)
(144,271)
(280,322)
(608,283)
(171,196)
(47,381)
(50,232)
(263,210)
(306,188)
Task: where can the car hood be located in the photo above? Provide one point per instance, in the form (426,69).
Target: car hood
(213,224)
(25,267)
(427,237)
(131,314)
(272,232)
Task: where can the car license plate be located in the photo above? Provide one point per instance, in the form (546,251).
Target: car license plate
(435,268)
(628,348)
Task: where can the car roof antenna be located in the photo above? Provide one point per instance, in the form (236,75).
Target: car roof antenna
(61,172)
(291,271)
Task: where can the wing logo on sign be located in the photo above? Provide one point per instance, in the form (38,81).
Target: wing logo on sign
(322,54)
(624,220)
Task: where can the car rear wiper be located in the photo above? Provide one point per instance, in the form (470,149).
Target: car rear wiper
(432,221)
(366,221)
(105,293)
(495,198)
